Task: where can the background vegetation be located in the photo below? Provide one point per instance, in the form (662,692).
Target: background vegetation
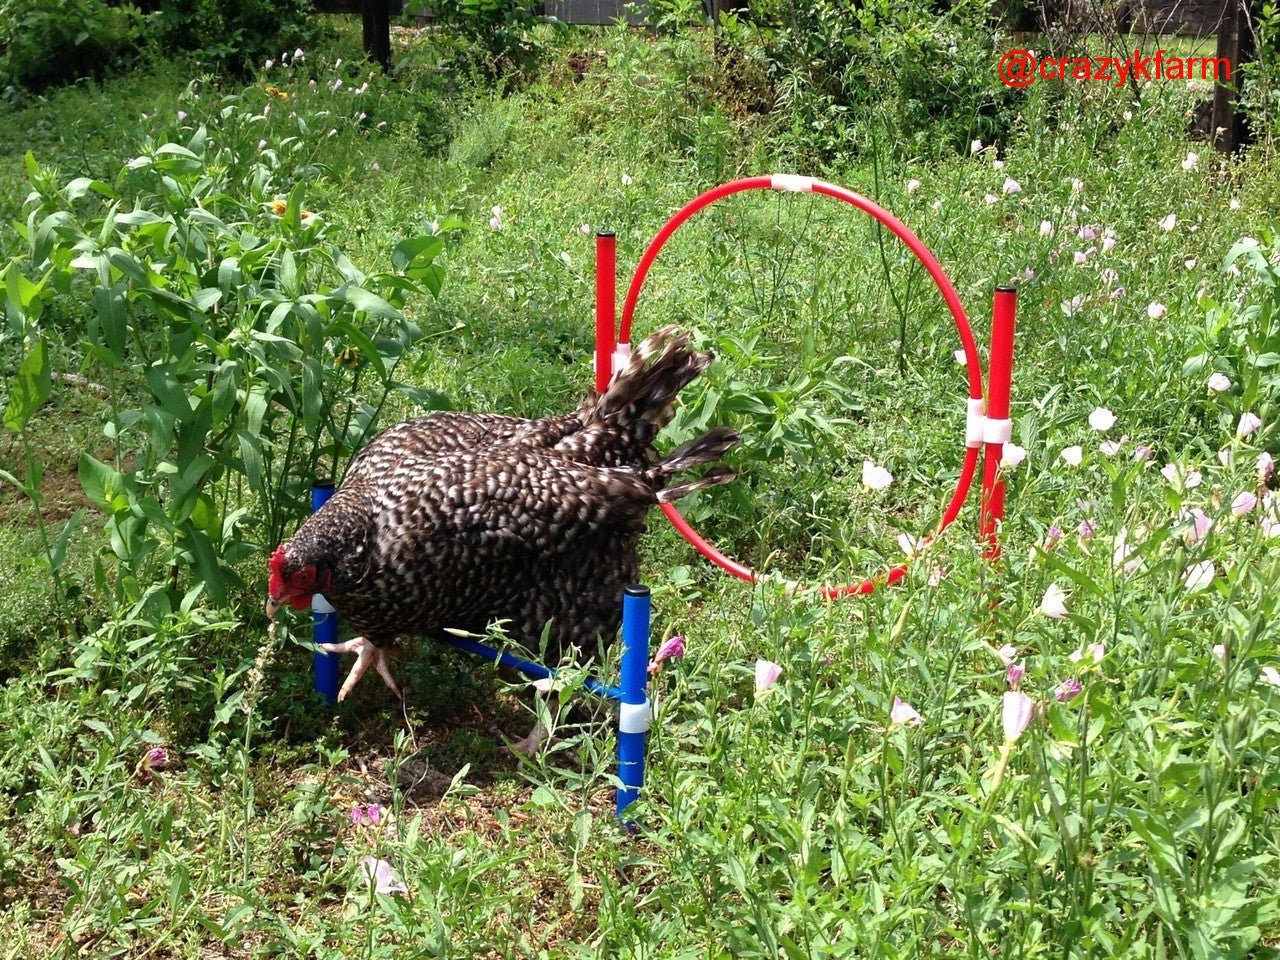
(215,286)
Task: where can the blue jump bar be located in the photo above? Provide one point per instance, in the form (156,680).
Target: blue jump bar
(326,621)
(527,667)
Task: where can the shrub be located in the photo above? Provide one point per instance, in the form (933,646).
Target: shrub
(234,35)
(43,43)
(237,339)
(830,65)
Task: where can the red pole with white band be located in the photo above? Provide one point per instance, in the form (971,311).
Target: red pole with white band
(997,427)
(606,306)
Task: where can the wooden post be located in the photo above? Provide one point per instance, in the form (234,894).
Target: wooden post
(376,15)
(1235,45)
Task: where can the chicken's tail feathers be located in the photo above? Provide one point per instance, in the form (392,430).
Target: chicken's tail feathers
(712,478)
(640,399)
(709,447)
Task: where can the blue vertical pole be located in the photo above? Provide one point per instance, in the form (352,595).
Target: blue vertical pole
(326,619)
(634,710)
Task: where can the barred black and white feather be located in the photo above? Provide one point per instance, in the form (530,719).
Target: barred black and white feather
(460,519)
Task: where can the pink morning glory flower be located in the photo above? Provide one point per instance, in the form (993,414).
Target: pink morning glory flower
(380,874)
(1011,455)
(369,816)
(767,673)
(1201,524)
(1243,503)
(1016,715)
(905,714)
(1169,222)
(1156,310)
(671,649)
(1249,422)
(1072,456)
(1013,673)
(1068,690)
(1265,465)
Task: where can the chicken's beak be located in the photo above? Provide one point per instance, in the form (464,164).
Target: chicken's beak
(273,606)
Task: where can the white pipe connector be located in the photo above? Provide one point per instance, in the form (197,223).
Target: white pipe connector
(634,717)
(997,431)
(320,605)
(975,421)
(621,355)
(791,182)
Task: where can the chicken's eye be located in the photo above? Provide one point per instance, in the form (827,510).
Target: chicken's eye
(305,578)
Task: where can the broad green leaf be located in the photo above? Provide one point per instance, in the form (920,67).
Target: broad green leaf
(30,387)
(370,303)
(101,483)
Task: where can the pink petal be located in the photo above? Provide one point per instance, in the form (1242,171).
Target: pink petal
(767,672)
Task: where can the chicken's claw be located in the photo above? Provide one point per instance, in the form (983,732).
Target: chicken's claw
(367,655)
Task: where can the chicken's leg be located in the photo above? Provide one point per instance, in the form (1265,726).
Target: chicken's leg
(368,655)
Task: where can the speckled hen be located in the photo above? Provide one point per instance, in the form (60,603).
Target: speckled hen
(461,519)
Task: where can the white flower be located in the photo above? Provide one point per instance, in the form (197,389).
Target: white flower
(1076,184)
(585,228)
(877,478)
(1189,264)
(1199,575)
(1220,652)
(962,358)
(1249,422)
(1080,257)
(1190,162)
(1010,185)
(1156,310)
(1012,455)
(626,180)
(1054,602)
(1128,115)
(1219,383)
(1094,651)
(1046,228)
(1007,654)
(910,545)
(913,186)
(975,147)
(1109,447)
(991,198)
(1169,222)
(1073,455)
(1234,204)
(1271,675)
(1108,243)
(1102,419)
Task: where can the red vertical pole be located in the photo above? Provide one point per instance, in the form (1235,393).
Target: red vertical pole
(606,306)
(997,428)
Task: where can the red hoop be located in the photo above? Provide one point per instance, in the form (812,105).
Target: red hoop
(798,184)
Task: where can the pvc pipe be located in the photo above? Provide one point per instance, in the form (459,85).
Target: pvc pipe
(527,667)
(999,387)
(606,306)
(325,619)
(797,184)
(634,709)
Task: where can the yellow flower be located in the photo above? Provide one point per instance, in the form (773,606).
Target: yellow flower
(279,207)
(348,357)
(277,93)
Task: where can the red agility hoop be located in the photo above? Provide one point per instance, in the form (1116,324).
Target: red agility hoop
(611,355)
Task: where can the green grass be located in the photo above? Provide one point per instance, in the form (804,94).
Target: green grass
(1138,820)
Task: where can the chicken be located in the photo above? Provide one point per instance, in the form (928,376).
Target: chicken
(462,519)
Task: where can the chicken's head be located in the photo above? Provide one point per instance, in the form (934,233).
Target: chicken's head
(293,582)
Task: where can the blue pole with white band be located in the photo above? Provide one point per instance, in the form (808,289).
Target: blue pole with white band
(326,619)
(634,711)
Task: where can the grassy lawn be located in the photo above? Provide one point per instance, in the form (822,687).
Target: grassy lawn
(1136,818)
